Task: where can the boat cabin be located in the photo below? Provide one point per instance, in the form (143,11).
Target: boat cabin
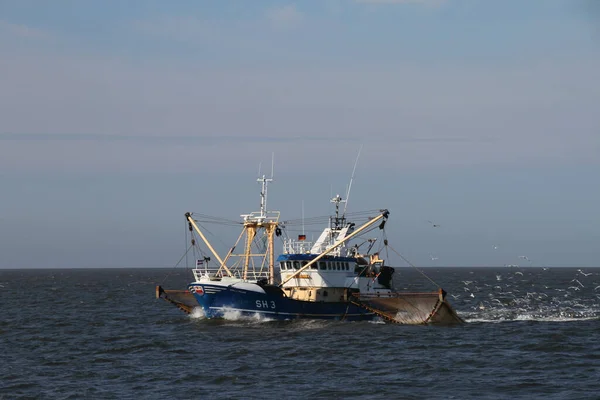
(329,279)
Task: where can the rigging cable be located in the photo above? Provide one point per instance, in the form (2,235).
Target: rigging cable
(409,263)
(186,242)
(175,266)
(211,234)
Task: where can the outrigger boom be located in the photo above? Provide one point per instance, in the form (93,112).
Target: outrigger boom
(192,223)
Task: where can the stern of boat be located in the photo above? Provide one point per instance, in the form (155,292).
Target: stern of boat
(410,308)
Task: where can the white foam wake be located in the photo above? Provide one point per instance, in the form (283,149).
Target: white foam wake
(197,313)
(230,314)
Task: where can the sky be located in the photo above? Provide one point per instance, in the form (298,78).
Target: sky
(118,117)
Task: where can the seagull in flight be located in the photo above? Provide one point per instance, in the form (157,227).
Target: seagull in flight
(577,281)
(583,273)
(433,225)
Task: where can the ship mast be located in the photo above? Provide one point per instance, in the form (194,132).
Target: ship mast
(252,224)
(338,222)
(263,195)
(266,220)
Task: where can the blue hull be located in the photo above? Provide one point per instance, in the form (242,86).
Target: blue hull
(217,300)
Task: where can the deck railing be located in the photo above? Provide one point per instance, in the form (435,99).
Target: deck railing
(291,246)
(214,273)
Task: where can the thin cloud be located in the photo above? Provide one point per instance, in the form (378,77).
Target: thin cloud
(182,28)
(219,139)
(285,17)
(176,139)
(22,31)
(429,3)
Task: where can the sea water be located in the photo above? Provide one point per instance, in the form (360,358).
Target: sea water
(101,334)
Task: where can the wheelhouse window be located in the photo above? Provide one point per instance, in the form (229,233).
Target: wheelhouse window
(322,265)
(296,265)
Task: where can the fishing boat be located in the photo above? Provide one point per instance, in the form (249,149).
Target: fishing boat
(339,276)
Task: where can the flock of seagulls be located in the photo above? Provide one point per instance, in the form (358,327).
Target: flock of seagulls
(510,297)
(576,284)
